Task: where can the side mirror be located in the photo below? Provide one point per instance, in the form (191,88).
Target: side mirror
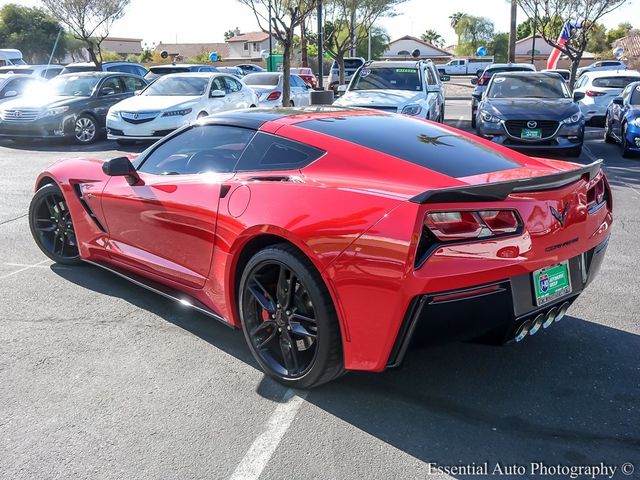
(477,96)
(445,78)
(121,167)
(137,92)
(11,93)
(217,94)
(342,88)
(104,91)
(577,96)
(474,81)
(617,100)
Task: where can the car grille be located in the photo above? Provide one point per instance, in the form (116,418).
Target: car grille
(19,115)
(548,127)
(138,117)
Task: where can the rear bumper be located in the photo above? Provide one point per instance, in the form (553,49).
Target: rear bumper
(494,311)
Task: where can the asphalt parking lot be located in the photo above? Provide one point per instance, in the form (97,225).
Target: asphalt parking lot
(101,379)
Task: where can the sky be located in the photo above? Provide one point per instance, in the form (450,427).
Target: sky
(193,21)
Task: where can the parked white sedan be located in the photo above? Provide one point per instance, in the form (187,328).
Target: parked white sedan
(268,86)
(173,101)
(599,89)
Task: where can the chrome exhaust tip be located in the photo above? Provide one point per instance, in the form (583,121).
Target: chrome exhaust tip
(563,311)
(550,317)
(522,331)
(537,324)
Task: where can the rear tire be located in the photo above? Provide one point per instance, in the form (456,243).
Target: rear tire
(607,131)
(288,318)
(473,119)
(624,145)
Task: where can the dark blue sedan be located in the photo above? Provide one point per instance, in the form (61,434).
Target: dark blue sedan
(623,120)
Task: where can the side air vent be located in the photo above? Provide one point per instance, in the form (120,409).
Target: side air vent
(277,178)
(78,189)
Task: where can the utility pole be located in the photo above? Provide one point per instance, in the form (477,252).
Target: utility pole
(353,32)
(270,60)
(512,31)
(535,33)
(320,43)
(369,45)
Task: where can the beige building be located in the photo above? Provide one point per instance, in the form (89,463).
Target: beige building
(248,46)
(542,51)
(183,52)
(401,48)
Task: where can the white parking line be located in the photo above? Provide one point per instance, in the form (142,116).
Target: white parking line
(7,275)
(589,153)
(263,447)
(459,122)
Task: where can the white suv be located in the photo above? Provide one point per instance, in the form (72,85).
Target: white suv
(409,87)
(599,89)
(602,65)
(351,64)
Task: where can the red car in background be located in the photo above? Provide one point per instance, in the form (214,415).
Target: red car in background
(336,238)
(307,75)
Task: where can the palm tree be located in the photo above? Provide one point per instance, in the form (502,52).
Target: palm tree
(454,19)
(432,37)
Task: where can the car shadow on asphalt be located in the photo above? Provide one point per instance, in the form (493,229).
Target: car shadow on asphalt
(567,396)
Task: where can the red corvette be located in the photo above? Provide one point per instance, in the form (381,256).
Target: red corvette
(336,238)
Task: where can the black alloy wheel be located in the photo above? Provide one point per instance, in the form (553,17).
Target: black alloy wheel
(288,318)
(52,227)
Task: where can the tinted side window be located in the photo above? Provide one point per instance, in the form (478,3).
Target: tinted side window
(206,148)
(415,141)
(269,152)
(231,85)
(430,78)
(218,84)
(206,69)
(113,83)
(51,72)
(131,84)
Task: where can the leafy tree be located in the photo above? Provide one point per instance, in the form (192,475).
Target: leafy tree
(473,32)
(432,37)
(379,42)
(597,42)
(588,11)
(499,46)
(229,34)
(622,30)
(109,56)
(146,55)
(88,20)
(346,16)
(454,20)
(286,15)
(525,29)
(32,31)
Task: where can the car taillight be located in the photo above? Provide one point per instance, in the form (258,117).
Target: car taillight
(593,93)
(274,96)
(469,225)
(597,195)
(483,80)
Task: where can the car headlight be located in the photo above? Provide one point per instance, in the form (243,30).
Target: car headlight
(575,118)
(177,113)
(55,111)
(412,110)
(113,113)
(487,117)
(635,122)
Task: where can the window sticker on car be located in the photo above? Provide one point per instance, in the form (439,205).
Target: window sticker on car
(364,73)
(406,70)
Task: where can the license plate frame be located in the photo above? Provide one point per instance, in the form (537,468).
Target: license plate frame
(551,283)
(531,134)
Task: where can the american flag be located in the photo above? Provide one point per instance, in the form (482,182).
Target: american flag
(565,34)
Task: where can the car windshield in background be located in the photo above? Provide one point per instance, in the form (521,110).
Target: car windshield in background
(168,70)
(353,64)
(493,71)
(69,86)
(271,79)
(388,78)
(635,96)
(78,69)
(527,86)
(177,87)
(614,82)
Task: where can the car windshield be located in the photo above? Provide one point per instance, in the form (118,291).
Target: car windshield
(635,96)
(614,82)
(388,78)
(270,79)
(527,86)
(176,86)
(69,86)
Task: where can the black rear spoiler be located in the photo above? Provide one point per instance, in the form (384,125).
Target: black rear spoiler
(490,192)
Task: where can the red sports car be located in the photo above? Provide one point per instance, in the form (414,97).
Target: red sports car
(336,238)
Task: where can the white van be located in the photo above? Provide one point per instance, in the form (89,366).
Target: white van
(10,56)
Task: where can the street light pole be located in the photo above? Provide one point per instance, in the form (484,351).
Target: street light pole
(270,40)
(533,41)
(320,42)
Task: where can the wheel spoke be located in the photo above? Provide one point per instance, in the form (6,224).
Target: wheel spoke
(45,225)
(262,296)
(289,350)
(260,344)
(285,287)
(51,206)
(262,326)
(300,330)
(303,318)
(56,239)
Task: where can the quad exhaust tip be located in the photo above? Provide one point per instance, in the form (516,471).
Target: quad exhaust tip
(531,327)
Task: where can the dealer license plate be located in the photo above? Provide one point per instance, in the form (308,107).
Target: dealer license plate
(551,283)
(531,134)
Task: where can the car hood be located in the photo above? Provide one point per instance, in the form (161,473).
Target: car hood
(380,97)
(43,102)
(534,108)
(148,103)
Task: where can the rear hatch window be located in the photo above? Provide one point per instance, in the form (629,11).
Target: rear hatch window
(614,82)
(417,142)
